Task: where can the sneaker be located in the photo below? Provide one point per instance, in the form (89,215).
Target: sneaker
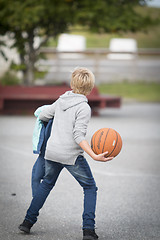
(89,234)
(25,226)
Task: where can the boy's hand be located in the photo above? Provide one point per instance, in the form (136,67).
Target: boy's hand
(101,157)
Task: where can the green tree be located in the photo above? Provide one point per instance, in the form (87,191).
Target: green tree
(2,44)
(23,21)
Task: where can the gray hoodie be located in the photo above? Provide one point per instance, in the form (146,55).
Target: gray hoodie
(71,117)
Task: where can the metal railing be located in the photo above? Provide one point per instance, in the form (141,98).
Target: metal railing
(141,65)
(103,51)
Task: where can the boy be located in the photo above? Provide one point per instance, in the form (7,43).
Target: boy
(65,148)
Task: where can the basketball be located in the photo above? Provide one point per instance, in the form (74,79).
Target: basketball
(106,139)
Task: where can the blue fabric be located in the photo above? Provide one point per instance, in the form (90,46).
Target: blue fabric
(38,170)
(39,132)
(40,139)
(82,173)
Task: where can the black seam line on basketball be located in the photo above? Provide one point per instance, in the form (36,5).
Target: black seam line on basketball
(114,146)
(94,141)
(105,140)
(91,143)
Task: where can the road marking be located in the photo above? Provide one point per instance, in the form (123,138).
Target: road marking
(124,174)
(108,174)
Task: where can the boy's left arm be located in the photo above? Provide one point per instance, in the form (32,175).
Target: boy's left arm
(47,113)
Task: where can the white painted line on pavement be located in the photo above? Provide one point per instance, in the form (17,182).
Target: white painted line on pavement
(108,174)
(124,174)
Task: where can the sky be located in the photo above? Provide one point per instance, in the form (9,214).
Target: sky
(154,3)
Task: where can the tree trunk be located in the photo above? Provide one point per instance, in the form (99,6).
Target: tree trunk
(29,55)
(28,75)
(30,59)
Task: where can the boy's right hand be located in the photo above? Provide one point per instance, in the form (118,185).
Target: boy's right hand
(97,157)
(101,157)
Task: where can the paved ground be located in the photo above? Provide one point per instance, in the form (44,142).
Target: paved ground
(128,205)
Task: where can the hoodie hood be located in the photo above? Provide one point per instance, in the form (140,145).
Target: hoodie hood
(70,99)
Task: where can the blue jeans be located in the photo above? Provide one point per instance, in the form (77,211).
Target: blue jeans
(82,173)
(38,172)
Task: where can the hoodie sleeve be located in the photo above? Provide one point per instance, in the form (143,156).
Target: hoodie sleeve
(48,112)
(81,123)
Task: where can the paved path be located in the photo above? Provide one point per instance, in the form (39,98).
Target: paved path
(128,206)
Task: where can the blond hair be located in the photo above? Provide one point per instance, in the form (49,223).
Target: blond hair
(82,81)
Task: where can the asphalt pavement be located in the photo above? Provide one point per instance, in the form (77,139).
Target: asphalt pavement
(128,204)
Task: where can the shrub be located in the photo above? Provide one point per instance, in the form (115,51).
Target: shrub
(9,78)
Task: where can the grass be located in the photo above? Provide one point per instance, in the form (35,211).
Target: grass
(144,92)
(149,38)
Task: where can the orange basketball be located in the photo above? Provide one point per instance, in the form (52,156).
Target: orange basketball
(106,139)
